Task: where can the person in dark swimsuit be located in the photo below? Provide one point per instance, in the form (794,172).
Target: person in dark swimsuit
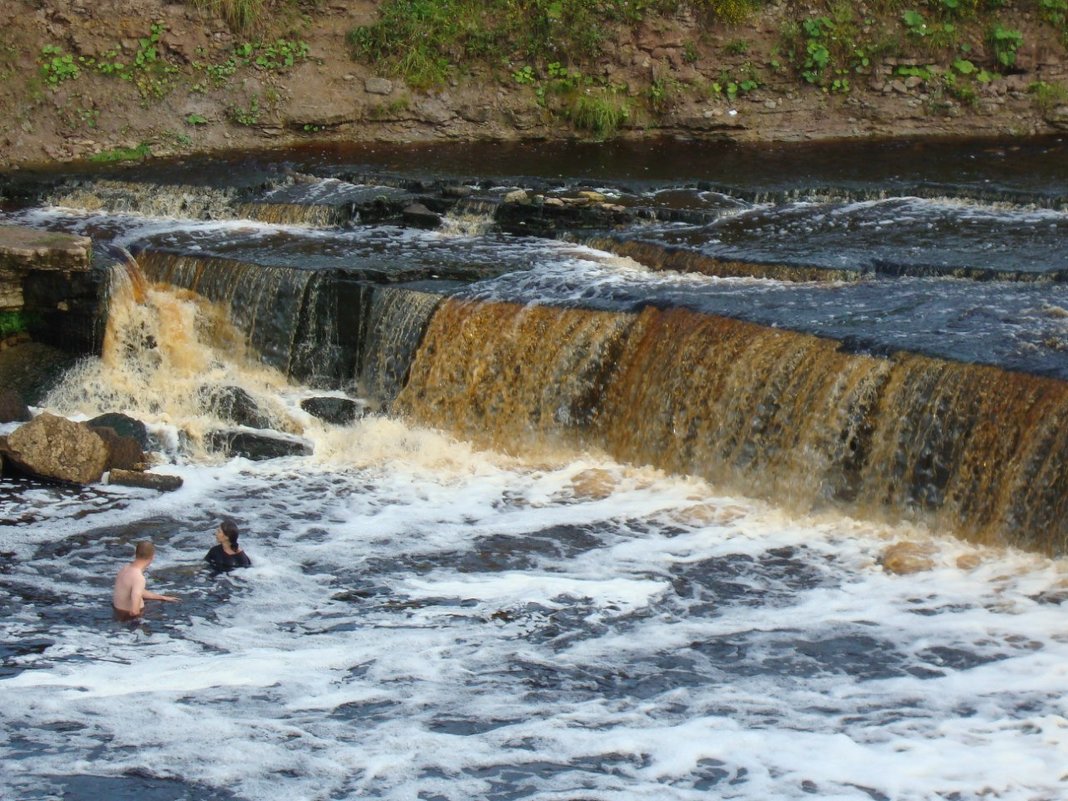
(227,554)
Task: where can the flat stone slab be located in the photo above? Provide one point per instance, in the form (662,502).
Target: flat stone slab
(24,248)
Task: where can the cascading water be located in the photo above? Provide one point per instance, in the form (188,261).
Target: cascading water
(617,532)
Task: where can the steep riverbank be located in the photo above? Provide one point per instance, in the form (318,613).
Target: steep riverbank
(123,79)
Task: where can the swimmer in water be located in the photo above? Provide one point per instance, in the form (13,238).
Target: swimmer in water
(129,596)
(227,554)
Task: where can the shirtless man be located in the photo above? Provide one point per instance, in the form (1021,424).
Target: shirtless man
(130,594)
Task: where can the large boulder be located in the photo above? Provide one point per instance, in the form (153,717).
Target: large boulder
(124,426)
(124,453)
(57,449)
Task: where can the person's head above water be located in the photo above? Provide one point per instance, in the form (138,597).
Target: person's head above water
(227,534)
(144,551)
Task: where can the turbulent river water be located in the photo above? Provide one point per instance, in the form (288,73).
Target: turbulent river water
(614,524)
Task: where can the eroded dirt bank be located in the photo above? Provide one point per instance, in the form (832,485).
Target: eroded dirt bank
(121,79)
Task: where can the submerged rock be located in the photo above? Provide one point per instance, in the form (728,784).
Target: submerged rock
(904,558)
(256,445)
(57,449)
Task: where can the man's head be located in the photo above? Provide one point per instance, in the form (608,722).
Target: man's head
(145,551)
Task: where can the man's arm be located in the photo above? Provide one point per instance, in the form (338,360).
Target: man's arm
(152,596)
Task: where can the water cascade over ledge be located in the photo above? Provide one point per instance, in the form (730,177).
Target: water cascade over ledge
(974,449)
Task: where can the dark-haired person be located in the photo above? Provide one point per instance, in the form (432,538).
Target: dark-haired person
(227,554)
(129,596)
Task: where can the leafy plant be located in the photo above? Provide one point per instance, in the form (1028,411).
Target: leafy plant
(1055,12)
(57,66)
(246,115)
(914,21)
(1005,43)
(195,119)
(524,76)
(736,47)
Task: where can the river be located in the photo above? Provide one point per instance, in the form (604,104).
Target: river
(612,525)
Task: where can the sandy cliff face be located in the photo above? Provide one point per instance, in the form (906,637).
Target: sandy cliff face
(187,83)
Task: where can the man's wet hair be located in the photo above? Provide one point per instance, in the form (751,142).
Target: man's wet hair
(144,550)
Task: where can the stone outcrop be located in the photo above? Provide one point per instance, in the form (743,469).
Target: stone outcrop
(48,277)
(57,449)
(25,250)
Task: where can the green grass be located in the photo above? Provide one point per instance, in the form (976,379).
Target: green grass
(1048,95)
(601,113)
(139,153)
(240,15)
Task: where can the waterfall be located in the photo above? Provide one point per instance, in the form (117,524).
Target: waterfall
(167,352)
(306,323)
(977,450)
(396,323)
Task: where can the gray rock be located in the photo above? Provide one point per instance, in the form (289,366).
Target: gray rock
(233,404)
(378,86)
(419,216)
(124,426)
(124,453)
(256,445)
(339,411)
(13,408)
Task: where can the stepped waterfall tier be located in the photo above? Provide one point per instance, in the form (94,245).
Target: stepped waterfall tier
(591,473)
(786,415)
